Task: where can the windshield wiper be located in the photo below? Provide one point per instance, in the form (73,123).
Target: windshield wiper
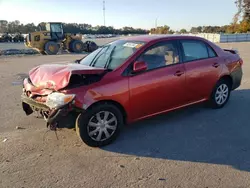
(110,57)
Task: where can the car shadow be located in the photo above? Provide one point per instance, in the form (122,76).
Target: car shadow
(194,134)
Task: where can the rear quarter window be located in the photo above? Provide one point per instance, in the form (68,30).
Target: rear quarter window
(211,52)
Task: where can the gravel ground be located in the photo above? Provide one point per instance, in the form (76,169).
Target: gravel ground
(192,147)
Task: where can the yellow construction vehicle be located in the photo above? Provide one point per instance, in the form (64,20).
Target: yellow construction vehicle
(51,38)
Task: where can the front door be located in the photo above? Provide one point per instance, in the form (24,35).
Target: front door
(162,86)
(202,67)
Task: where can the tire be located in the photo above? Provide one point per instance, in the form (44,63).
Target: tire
(76,46)
(85,47)
(223,89)
(86,131)
(51,48)
(90,46)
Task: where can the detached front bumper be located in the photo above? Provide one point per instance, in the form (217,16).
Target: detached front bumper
(63,117)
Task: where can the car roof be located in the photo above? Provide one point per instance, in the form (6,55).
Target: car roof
(150,38)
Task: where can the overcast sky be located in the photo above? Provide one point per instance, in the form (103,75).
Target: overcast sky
(136,13)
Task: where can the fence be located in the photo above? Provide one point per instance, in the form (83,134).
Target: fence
(222,38)
(235,38)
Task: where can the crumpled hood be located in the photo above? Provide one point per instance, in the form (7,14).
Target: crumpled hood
(57,76)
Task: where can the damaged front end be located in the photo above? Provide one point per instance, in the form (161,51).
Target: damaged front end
(57,109)
(43,92)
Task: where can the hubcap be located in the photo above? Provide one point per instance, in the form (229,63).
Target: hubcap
(102,126)
(221,94)
(78,46)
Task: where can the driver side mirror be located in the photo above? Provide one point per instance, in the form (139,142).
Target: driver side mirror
(139,66)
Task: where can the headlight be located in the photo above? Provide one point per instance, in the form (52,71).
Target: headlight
(56,100)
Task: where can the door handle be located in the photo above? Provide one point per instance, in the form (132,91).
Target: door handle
(216,65)
(179,73)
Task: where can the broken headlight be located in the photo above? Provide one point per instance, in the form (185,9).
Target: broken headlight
(57,100)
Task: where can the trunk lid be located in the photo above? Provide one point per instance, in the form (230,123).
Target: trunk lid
(232,51)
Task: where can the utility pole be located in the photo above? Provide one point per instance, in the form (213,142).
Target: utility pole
(156,22)
(104,12)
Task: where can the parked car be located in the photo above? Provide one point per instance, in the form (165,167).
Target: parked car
(6,37)
(129,80)
(18,37)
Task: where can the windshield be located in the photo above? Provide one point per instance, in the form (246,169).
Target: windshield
(112,55)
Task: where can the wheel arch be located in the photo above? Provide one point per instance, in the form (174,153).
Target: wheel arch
(228,78)
(115,103)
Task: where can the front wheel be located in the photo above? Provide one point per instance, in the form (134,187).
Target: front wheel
(51,48)
(100,125)
(220,94)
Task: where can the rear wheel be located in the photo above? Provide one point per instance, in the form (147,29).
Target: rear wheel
(100,125)
(51,48)
(220,94)
(76,46)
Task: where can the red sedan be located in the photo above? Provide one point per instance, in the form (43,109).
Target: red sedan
(128,80)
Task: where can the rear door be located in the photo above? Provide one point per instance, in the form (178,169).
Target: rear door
(202,67)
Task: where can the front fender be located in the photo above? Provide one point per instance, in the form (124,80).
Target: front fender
(117,91)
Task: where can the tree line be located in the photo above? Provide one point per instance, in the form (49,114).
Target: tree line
(17,27)
(241,20)
(242,27)
(89,29)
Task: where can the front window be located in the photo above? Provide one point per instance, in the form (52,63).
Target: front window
(112,55)
(160,55)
